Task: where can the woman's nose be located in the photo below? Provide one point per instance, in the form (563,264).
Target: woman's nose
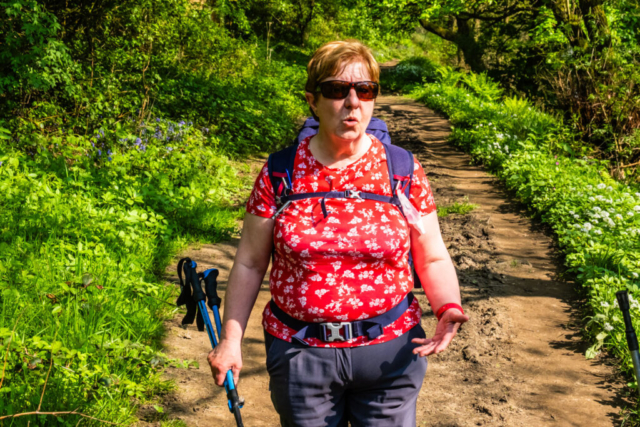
(352,100)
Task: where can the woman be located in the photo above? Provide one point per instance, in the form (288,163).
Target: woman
(339,263)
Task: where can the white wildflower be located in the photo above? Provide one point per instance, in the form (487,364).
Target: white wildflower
(604,304)
(601,186)
(608,327)
(635,275)
(597,231)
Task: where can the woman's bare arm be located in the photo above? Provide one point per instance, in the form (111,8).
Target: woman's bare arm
(249,266)
(438,276)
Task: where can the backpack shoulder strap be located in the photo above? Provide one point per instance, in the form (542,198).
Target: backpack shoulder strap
(379,129)
(400,166)
(280,168)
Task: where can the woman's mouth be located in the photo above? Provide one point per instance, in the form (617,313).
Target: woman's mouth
(350,121)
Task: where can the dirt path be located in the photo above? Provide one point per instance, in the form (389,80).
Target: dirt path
(518,362)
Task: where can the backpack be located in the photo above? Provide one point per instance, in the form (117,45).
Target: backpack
(399,162)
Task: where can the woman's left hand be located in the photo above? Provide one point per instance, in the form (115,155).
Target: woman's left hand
(445,331)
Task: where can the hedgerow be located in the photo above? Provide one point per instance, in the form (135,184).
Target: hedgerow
(596,218)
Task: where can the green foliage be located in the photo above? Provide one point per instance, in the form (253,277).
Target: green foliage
(408,73)
(137,59)
(32,59)
(459,208)
(87,229)
(596,218)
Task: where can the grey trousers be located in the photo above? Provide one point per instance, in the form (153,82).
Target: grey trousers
(375,385)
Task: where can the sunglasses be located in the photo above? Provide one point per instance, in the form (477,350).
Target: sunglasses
(338,89)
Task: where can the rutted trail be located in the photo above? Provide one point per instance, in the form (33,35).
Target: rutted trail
(518,362)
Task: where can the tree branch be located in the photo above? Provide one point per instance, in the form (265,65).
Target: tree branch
(438,30)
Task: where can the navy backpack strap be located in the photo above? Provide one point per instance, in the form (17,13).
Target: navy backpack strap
(280,168)
(310,127)
(400,165)
(379,129)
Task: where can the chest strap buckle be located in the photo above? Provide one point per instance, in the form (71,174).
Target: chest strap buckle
(352,194)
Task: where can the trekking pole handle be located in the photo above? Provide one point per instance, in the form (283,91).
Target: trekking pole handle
(191,277)
(211,287)
(632,338)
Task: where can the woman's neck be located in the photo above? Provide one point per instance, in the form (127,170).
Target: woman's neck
(338,153)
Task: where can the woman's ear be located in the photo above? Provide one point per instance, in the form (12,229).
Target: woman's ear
(311,100)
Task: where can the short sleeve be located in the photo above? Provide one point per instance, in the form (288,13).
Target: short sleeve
(262,201)
(420,194)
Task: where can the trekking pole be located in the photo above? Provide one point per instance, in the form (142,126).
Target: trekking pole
(210,278)
(632,339)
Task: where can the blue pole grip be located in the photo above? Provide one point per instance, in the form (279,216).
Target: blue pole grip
(229,384)
(216,317)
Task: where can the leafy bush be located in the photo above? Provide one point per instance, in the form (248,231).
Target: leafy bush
(87,228)
(596,218)
(408,73)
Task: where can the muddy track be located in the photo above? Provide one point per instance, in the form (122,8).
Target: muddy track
(518,362)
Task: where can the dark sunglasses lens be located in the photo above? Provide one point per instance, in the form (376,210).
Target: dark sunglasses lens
(335,90)
(367,90)
(339,89)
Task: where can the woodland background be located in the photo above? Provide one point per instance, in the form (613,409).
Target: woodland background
(123,125)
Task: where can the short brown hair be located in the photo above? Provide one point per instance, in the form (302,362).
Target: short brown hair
(331,58)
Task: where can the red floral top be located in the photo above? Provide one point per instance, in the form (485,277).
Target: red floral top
(351,265)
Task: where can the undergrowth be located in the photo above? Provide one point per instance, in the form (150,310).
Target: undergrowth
(596,218)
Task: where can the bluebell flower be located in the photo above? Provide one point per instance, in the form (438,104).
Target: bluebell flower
(109,158)
(181,123)
(101,131)
(169,149)
(138,141)
(190,123)
(93,145)
(158,120)
(109,152)
(99,152)
(0,163)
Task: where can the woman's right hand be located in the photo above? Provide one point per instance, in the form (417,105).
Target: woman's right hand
(227,355)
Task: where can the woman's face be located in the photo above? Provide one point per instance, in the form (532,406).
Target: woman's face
(344,118)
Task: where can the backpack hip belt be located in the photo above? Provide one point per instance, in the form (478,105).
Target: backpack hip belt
(341,331)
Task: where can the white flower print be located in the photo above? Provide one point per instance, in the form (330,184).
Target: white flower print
(377,302)
(316,245)
(366,288)
(354,302)
(321,292)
